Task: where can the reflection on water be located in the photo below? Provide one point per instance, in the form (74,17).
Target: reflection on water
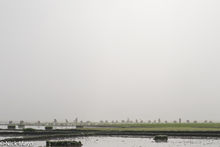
(140,142)
(127,141)
(3,126)
(54,127)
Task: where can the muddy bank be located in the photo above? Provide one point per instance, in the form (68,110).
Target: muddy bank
(53,134)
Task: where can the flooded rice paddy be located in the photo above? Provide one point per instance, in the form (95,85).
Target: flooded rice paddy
(140,142)
(129,141)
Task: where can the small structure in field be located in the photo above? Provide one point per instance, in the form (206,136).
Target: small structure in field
(79,126)
(160,138)
(11,127)
(21,126)
(63,144)
(48,127)
(29,130)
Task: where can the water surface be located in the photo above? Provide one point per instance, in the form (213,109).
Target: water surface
(140,142)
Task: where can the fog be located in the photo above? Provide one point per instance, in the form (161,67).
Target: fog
(109,60)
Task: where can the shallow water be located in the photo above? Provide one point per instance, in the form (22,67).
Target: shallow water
(127,141)
(140,142)
(41,127)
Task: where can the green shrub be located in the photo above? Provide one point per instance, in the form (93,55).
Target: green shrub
(29,130)
(159,138)
(11,127)
(48,127)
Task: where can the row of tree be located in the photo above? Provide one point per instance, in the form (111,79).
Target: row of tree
(128,121)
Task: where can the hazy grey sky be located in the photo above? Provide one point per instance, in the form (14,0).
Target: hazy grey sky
(99,59)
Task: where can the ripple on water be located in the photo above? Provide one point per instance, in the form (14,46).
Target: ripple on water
(140,142)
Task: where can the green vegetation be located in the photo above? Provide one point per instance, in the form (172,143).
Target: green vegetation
(29,130)
(159,138)
(135,129)
(162,127)
(79,126)
(154,129)
(21,126)
(11,127)
(48,127)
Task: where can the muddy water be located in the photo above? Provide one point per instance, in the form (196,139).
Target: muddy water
(140,142)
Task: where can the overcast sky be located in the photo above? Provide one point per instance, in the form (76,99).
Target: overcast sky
(109,59)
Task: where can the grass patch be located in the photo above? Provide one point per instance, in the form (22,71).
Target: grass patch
(159,127)
(163,125)
(29,130)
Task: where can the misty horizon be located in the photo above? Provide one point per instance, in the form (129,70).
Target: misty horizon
(109,60)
